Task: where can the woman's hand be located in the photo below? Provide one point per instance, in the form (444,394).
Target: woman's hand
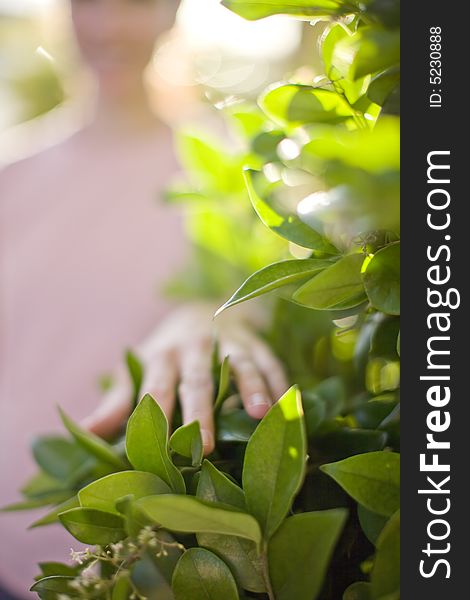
(179,354)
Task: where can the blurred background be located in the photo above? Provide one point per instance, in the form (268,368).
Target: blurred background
(211,55)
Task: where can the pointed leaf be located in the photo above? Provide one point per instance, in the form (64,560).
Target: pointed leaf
(288,226)
(300,551)
(339,286)
(274,464)
(224,382)
(53,515)
(105,492)
(187,441)
(191,515)
(214,486)
(48,588)
(91,526)
(258,9)
(372,479)
(136,372)
(201,575)
(147,443)
(92,443)
(275,276)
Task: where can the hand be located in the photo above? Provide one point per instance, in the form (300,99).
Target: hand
(179,353)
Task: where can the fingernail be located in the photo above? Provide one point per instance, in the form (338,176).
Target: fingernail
(207,438)
(259,399)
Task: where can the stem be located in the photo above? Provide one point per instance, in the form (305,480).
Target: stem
(265,573)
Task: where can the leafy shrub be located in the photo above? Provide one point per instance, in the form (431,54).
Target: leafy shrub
(305,504)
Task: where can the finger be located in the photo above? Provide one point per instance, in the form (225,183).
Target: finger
(253,390)
(271,369)
(196,391)
(108,417)
(160,381)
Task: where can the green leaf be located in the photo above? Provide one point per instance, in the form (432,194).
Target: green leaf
(385,578)
(235,426)
(191,515)
(288,226)
(58,456)
(136,372)
(122,589)
(187,441)
(41,484)
(382,279)
(382,85)
(105,492)
(53,515)
(360,590)
(368,50)
(147,443)
(48,588)
(49,569)
(224,383)
(91,526)
(373,150)
(240,554)
(300,551)
(201,575)
(371,523)
(258,9)
(92,443)
(296,105)
(274,465)
(31,503)
(214,486)
(372,479)
(275,276)
(337,287)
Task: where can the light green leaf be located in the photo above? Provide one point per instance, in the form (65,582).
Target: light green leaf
(48,588)
(147,443)
(58,456)
(372,479)
(53,515)
(224,383)
(105,492)
(275,276)
(274,465)
(385,576)
(93,444)
(258,9)
(382,279)
(51,568)
(187,441)
(373,150)
(368,50)
(136,372)
(192,515)
(300,551)
(91,526)
(338,287)
(288,226)
(294,105)
(201,575)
